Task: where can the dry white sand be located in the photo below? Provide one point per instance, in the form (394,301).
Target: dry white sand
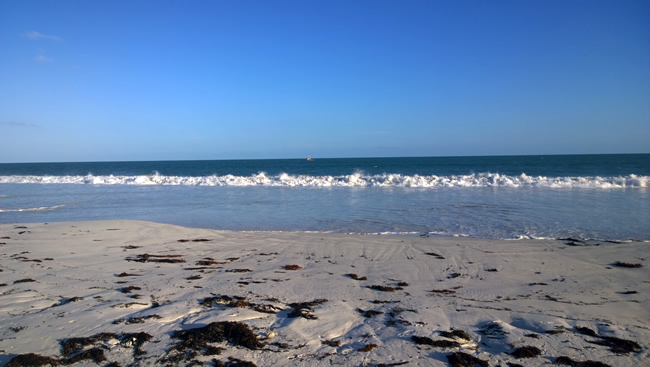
(92,280)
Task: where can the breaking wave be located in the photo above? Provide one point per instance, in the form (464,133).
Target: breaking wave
(39,209)
(354,180)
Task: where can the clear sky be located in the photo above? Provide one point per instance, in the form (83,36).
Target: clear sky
(211,79)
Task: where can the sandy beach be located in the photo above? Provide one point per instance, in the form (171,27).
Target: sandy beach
(119,293)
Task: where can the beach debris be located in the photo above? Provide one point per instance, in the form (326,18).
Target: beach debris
(493,330)
(369,313)
(235,301)
(453,275)
(194,341)
(233,362)
(292,267)
(74,348)
(95,354)
(129,289)
(332,343)
(238,301)
(616,345)
(621,264)
(423,340)
(455,334)
(26,280)
(136,319)
(368,348)
(304,309)
(586,331)
(210,261)
(383,288)
(355,276)
(64,301)
(195,240)
(526,352)
(443,291)
(394,320)
(460,359)
(125,274)
(436,255)
(570,362)
(143,258)
(238,270)
(380,302)
(31,359)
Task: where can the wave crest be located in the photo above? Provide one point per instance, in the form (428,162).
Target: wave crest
(39,209)
(358,179)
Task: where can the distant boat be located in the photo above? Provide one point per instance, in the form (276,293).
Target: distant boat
(309,159)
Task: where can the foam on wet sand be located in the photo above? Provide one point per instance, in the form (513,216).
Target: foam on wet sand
(133,291)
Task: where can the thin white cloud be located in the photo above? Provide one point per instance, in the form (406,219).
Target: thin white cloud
(33,35)
(19,124)
(42,58)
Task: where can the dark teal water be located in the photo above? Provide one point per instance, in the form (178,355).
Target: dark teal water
(549,165)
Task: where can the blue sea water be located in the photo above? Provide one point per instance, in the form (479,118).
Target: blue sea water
(605,197)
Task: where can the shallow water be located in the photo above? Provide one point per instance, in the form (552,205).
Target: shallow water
(617,214)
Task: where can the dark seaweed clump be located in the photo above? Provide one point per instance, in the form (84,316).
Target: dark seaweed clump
(586,331)
(73,350)
(332,343)
(233,362)
(383,288)
(194,341)
(71,346)
(493,330)
(570,362)
(304,309)
(368,347)
(26,280)
(355,276)
(143,258)
(94,354)
(626,265)
(31,359)
(526,352)
(227,301)
(423,340)
(460,359)
(455,334)
(369,313)
(616,345)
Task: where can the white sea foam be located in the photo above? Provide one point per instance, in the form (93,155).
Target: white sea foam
(39,209)
(358,179)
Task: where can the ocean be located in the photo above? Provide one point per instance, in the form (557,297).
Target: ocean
(596,197)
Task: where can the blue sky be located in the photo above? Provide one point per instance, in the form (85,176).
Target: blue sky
(159,80)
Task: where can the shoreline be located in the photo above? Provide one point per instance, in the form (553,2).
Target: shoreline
(305,301)
(571,241)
